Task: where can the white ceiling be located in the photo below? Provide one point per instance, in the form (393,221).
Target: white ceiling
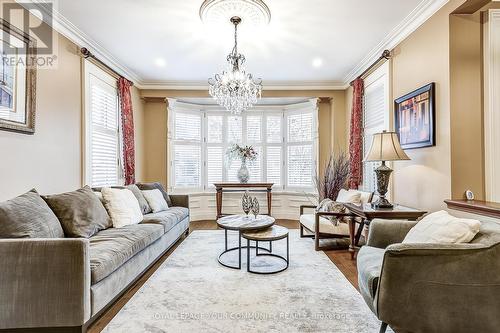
(162,41)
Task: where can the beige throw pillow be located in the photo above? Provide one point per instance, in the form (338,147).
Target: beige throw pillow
(351,196)
(441,227)
(155,200)
(122,206)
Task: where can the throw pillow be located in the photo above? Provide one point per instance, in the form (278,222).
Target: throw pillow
(143,203)
(155,200)
(28,216)
(80,212)
(122,206)
(345,196)
(441,227)
(158,186)
(328,205)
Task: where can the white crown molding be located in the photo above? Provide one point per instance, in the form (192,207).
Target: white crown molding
(77,36)
(267,85)
(409,24)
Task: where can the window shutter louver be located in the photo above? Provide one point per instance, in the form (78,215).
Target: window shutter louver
(300,166)
(274,164)
(104,137)
(187,165)
(374,108)
(254,129)
(215,161)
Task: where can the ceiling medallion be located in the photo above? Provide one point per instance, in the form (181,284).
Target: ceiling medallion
(252,12)
(234,89)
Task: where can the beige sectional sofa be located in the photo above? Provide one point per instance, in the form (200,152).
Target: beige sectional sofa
(63,284)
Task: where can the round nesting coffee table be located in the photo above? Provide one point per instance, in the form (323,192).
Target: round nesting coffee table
(241,223)
(270,235)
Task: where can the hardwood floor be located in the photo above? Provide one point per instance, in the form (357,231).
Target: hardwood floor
(341,258)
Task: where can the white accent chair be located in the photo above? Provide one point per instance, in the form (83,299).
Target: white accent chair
(317,225)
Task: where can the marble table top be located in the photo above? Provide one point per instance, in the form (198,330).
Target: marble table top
(273,233)
(245,223)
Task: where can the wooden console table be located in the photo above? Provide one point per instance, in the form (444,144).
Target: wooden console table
(367,214)
(242,187)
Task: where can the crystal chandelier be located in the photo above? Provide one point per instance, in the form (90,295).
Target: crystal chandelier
(235,89)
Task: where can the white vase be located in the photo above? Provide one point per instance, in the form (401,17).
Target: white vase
(243,173)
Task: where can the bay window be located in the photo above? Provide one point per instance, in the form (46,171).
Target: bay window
(284,138)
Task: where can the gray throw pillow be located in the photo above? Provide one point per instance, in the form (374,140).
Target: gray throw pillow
(80,212)
(153,186)
(145,208)
(28,216)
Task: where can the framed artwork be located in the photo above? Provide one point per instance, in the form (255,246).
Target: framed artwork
(414,118)
(17,80)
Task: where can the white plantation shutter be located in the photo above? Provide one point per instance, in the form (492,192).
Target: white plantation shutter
(187,127)
(300,166)
(255,167)
(234,129)
(300,127)
(274,129)
(187,156)
(375,109)
(274,164)
(187,165)
(102,128)
(214,129)
(300,142)
(215,164)
(254,128)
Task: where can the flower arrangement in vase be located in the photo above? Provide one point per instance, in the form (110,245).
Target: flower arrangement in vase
(244,154)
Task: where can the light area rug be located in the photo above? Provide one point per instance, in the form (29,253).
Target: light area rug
(192,292)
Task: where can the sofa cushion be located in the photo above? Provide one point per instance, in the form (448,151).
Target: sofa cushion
(155,200)
(28,216)
(158,186)
(111,248)
(168,218)
(122,206)
(143,203)
(369,262)
(80,212)
(325,225)
(489,234)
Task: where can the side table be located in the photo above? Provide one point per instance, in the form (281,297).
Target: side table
(367,213)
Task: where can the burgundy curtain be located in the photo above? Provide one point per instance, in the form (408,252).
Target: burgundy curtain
(356,134)
(127,130)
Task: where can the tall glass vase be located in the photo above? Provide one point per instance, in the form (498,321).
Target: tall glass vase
(243,173)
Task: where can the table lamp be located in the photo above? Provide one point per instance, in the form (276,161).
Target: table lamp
(385,147)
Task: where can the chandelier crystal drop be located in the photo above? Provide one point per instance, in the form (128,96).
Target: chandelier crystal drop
(235,89)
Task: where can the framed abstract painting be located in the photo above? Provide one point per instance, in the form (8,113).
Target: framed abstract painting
(17,80)
(414,118)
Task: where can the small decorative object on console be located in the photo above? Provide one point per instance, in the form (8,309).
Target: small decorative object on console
(385,147)
(255,207)
(469,195)
(246,203)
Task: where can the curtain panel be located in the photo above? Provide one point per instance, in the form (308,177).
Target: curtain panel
(127,130)
(356,135)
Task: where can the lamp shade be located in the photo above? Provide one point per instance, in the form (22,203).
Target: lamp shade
(385,147)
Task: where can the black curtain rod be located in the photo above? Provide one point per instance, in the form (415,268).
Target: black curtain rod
(386,55)
(87,54)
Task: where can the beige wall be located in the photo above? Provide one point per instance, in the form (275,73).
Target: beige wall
(425,181)
(155,142)
(332,125)
(51,159)
(466,103)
